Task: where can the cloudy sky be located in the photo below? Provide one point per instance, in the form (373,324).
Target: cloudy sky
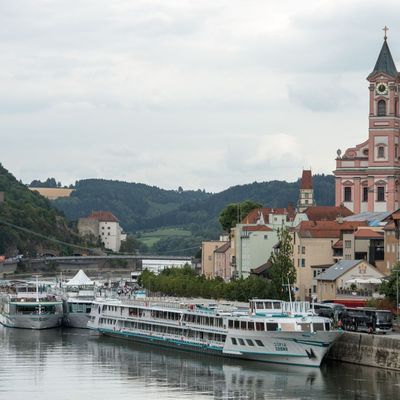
(192,93)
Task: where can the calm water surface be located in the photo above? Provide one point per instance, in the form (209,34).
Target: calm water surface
(75,365)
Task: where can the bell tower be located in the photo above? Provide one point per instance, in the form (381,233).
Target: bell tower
(368,175)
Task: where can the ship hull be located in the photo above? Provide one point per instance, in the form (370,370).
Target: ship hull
(31,321)
(299,349)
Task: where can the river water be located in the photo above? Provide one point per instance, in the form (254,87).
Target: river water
(76,365)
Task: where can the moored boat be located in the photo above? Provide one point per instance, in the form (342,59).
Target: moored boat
(268,331)
(78,300)
(30,306)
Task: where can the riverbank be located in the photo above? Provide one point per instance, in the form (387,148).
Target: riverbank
(382,351)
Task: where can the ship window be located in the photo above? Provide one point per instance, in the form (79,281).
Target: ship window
(236,324)
(318,326)
(241,341)
(259,343)
(272,326)
(277,305)
(249,342)
(230,323)
(327,326)
(234,342)
(268,306)
(243,325)
(250,326)
(260,305)
(260,326)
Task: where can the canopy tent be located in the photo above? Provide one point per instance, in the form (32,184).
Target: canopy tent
(373,280)
(356,280)
(367,280)
(80,279)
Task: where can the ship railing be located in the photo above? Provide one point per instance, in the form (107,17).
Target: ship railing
(296,307)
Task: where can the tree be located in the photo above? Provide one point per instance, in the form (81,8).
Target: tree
(234,213)
(132,245)
(282,271)
(389,287)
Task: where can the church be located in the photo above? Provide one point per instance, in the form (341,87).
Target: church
(367,176)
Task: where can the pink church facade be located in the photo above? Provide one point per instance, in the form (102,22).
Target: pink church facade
(367,176)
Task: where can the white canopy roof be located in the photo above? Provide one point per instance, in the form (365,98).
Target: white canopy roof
(80,279)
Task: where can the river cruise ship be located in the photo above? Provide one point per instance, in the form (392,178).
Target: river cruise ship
(30,306)
(267,330)
(78,294)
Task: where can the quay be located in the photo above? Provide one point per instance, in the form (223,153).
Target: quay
(381,351)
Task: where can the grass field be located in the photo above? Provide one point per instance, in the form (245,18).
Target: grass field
(151,237)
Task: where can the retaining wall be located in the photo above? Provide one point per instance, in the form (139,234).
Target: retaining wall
(360,348)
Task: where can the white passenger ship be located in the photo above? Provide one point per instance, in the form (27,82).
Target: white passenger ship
(269,331)
(79,295)
(29,306)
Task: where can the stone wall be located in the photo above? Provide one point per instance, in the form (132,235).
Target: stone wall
(373,350)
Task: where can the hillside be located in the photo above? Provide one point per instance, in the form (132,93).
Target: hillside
(31,211)
(140,207)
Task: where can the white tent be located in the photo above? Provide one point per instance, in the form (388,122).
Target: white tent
(80,279)
(373,280)
(356,280)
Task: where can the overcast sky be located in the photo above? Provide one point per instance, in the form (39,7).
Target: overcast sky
(192,93)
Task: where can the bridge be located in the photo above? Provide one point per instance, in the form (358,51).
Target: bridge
(139,257)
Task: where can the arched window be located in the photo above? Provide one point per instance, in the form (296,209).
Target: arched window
(381,108)
(381,152)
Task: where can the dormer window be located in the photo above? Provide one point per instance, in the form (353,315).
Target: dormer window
(381,108)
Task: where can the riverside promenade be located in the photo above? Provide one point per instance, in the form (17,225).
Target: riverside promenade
(382,351)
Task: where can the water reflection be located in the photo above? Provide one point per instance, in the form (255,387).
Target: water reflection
(73,364)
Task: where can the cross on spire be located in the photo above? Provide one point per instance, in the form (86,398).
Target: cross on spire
(385,29)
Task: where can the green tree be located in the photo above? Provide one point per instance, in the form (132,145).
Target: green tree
(282,271)
(389,286)
(132,245)
(234,213)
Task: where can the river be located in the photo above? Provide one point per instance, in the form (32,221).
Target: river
(76,365)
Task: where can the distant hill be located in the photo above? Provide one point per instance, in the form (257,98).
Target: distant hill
(141,207)
(29,210)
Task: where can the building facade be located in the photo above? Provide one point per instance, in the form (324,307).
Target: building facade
(104,225)
(367,176)
(306,195)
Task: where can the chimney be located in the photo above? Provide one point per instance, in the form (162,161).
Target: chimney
(339,219)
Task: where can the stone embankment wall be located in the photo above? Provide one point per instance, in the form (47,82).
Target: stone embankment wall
(360,348)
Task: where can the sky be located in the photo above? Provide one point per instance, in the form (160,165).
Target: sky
(195,93)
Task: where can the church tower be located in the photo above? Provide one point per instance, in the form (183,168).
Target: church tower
(306,197)
(367,176)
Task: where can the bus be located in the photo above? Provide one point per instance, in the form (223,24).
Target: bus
(364,319)
(329,310)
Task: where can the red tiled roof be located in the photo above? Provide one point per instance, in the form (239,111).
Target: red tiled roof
(306,180)
(327,213)
(368,234)
(103,216)
(253,216)
(389,227)
(338,245)
(327,229)
(254,228)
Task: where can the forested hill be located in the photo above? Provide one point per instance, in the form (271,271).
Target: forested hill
(141,207)
(27,209)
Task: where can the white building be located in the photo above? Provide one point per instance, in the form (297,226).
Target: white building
(157,266)
(105,225)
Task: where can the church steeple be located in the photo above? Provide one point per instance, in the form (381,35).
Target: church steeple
(385,63)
